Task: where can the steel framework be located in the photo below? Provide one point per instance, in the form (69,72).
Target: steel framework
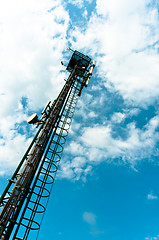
(26,196)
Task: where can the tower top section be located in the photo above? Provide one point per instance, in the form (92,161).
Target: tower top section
(81,61)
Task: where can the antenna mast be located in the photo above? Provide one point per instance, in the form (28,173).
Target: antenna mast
(26,196)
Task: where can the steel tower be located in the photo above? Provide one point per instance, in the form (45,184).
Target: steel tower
(26,196)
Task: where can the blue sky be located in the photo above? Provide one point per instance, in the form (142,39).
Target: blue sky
(107,185)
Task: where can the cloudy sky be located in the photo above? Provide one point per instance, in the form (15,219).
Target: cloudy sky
(107,186)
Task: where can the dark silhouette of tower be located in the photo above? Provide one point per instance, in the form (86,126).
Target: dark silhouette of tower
(25,198)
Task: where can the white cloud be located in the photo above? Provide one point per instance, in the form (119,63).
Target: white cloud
(74,148)
(97,144)
(11,152)
(79,3)
(132,112)
(74,127)
(152,238)
(121,36)
(66,170)
(33,36)
(100,145)
(74,169)
(85,13)
(151,196)
(137,77)
(118,117)
(96,137)
(28,62)
(83,108)
(78,162)
(119,9)
(92,114)
(89,217)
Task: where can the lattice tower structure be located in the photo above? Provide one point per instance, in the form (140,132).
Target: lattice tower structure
(26,196)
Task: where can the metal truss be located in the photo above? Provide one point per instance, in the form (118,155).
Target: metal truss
(24,205)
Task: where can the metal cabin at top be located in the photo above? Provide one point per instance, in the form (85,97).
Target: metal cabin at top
(81,60)
(25,198)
